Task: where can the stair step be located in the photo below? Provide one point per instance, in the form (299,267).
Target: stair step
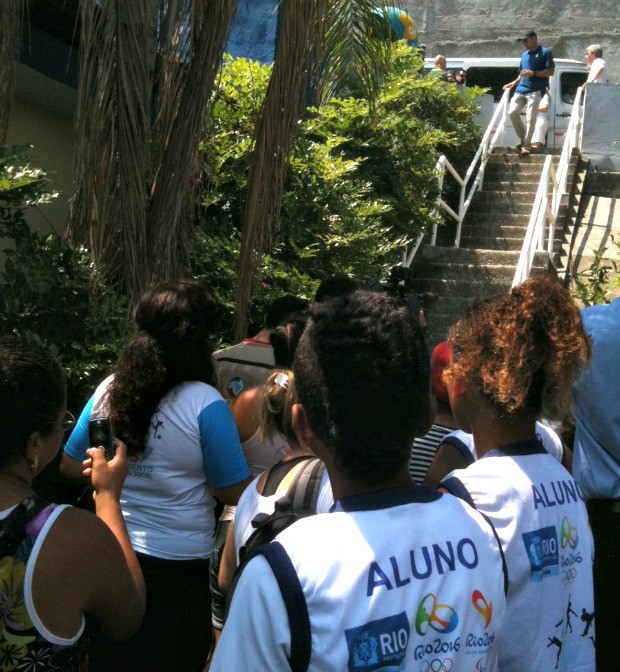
(499,208)
(500,183)
(508,149)
(517,158)
(494,228)
(501,242)
(434,254)
(471,289)
(512,169)
(493,272)
(507,197)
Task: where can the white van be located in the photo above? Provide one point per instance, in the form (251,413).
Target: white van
(493,73)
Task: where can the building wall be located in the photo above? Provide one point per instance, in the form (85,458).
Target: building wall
(50,132)
(253,34)
(490,27)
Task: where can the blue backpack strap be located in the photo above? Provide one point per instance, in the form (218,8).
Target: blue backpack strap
(294,601)
(457,488)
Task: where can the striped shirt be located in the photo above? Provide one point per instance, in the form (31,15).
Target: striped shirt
(423,451)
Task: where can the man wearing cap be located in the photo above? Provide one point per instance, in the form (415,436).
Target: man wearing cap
(536,67)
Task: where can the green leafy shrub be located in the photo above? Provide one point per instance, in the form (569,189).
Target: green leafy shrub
(361,182)
(599,282)
(51,294)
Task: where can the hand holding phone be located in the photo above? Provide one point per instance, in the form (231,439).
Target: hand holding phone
(101,434)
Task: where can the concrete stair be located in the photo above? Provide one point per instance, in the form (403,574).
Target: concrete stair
(450,279)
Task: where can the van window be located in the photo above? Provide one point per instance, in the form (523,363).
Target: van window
(569,83)
(491,78)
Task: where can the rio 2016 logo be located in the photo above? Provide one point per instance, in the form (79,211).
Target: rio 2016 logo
(484,608)
(441,617)
(568,535)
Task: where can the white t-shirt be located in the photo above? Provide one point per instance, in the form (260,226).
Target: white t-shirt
(392,580)
(541,519)
(192,447)
(464,442)
(598,71)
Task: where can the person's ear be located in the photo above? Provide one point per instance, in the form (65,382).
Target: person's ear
(429,416)
(301,426)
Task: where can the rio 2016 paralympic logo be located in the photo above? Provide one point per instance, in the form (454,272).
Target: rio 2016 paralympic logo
(440,617)
(568,535)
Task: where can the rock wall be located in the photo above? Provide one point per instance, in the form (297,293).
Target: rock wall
(490,27)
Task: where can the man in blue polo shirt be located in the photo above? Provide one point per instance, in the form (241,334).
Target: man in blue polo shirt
(534,71)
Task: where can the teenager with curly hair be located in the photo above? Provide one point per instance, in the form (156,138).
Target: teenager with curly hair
(345,590)
(186,451)
(514,359)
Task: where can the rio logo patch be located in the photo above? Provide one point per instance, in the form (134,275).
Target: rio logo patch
(541,547)
(378,645)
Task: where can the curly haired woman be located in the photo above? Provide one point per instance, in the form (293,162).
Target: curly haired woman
(185,449)
(514,359)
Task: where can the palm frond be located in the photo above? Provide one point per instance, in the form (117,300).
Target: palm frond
(278,120)
(353,40)
(11,19)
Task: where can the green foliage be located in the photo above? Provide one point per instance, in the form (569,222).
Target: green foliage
(599,282)
(50,294)
(361,182)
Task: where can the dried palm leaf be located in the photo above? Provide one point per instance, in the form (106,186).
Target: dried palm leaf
(146,73)
(279,118)
(193,38)
(108,211)
(11,19)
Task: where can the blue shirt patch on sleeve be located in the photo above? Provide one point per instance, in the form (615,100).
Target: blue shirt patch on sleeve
(541,547)
(379,645)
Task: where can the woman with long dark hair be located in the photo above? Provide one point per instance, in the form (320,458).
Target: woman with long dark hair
(185,450)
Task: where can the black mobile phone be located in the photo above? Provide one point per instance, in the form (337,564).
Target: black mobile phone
(101,434)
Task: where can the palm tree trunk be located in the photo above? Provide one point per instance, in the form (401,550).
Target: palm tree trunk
(185,83)
(108,210)
(279,119)
(146,74)
(11,18)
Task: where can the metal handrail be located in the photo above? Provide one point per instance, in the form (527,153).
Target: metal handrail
(546,209)
(495,130)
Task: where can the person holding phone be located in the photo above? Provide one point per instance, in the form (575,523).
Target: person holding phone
(184,451)
(60,567)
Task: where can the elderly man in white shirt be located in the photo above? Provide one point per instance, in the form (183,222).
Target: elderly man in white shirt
(596,64)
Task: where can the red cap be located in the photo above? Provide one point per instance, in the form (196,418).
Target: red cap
(440,360)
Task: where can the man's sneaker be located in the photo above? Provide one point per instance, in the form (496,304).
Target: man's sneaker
(525,151)
(519,145)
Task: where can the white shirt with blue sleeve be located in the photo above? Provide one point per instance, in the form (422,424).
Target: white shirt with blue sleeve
(192,447)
